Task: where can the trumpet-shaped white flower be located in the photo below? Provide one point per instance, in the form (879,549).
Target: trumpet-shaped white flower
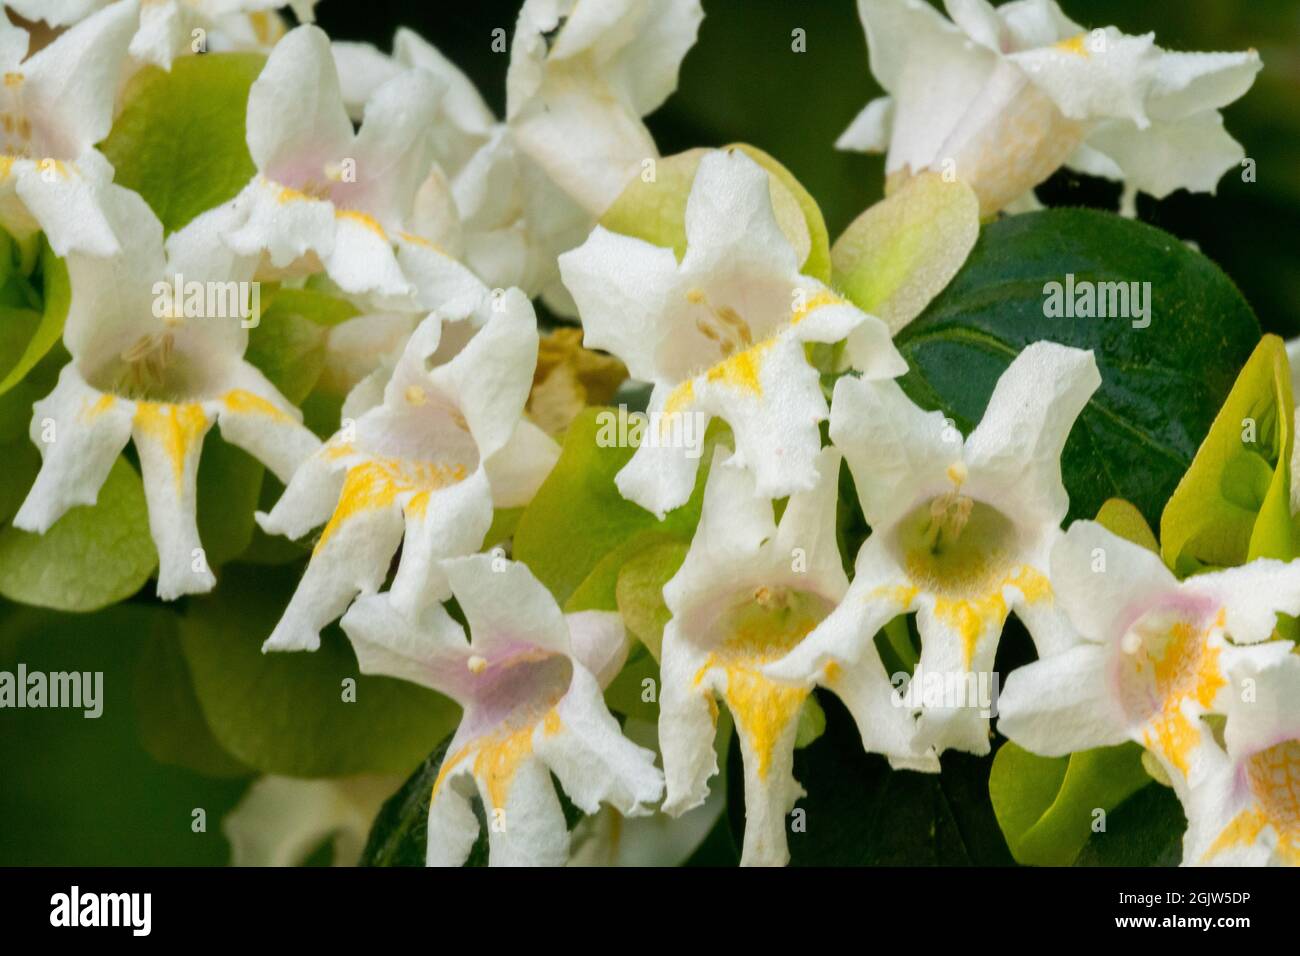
(486,201)
(1154,653)
(747,594)
(170,28)
(1004,96)
(420,469)
(327,198)
(1247,811)
(721,334)
(160,371)
(582,74)
(961,532)
(54,107)
(530,681)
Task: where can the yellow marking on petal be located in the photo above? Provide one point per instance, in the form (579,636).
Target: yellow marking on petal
(7,166)
(340,450)
(1181,665)
(972,617)
(178,428)
(497,762)
(813,303)
(1243,830)
(99,407)
(369,222)
(265,28)
(416,395)
(831,672)
(243,402)
(377,483)
(288,194)
(551,724)
(13,79)
(957,473)
(741,370)
(680,397)
(902,595)
(1274,777)
(1078,45)
(761,632)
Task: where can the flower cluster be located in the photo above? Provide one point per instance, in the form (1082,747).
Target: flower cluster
(382,181)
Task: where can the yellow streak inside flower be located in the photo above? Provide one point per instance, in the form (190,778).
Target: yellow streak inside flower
(98,408)
(498,757)
(1076,44)
(377,483)
(243,402)
(13,79)
(1243,830)
(1274,779)
(972,617)
(741,370)
(764,632)
(369,222)
(1182,666)
(812,304)
(178,428)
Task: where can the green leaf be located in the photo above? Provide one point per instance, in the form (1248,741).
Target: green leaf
(900,253)
(1145,830)
(1161,385)
(1047,806)
(314,305)
(286,713)
(179,140)
(47,328)
(578,516)
(1233,504)
(171,722)
(859,812)
(656,211)
(1120,517)
(287,346)
(93,556)
(640,592)
(229,484)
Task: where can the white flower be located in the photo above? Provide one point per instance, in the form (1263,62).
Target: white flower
(1154,652)
(1247,812)
(582,74)
(486,200)
(280,821)
(54,107)
(746,595)
(169,28)
(721,334)
(961,531)
(158,371)
(421,469)
(1004,96)
(326,197)
(530,681)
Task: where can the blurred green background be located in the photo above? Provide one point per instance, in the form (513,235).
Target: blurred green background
(75,791)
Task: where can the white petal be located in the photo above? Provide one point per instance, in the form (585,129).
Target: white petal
(870,130)
(257,418)
(595,763)
(1271,715)
(169,440)
(89,429)
(894,449)
(70,84)
(1029,416)
(481,582)
(362,68)
(1107,83)
(492,375)
(429,648)
(771,792)
(453,828)
(622,287)
(295,108)
(309,498)
(393,149)
(687,724)
(361,258)
(1191,153)
(285,224)
(1253,596)
(445,523)
(808,529)
(1064,703)
(730,225)
(600,642)
(1188,83)
(69,202)
(518,469)
(1101,579)
(530,829)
